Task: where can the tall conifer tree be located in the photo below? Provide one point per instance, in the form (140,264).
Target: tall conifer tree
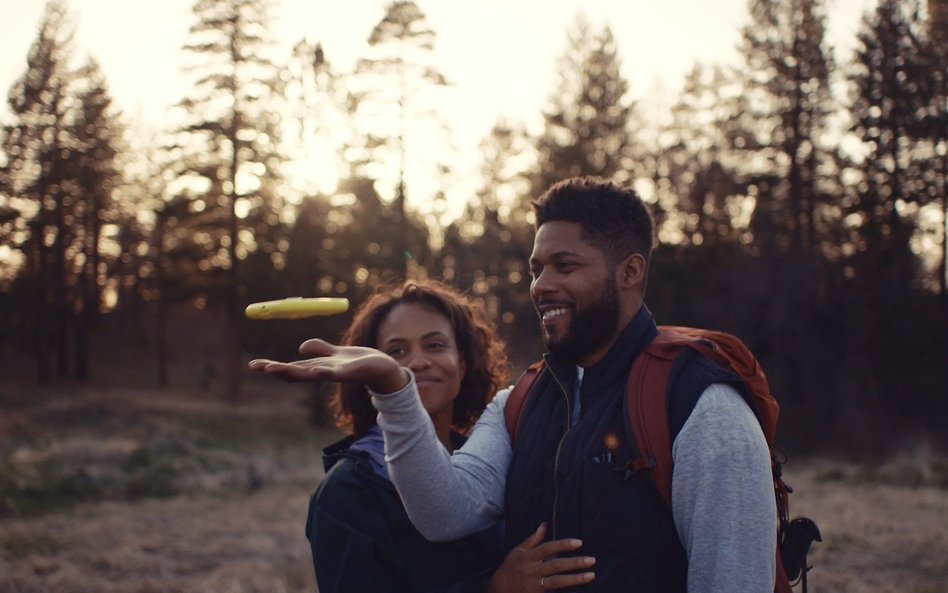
(892,86)
(228,162)
(787,80)
(587,124)
(59,167)
(393,95)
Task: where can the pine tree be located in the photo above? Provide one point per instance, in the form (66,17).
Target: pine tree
(890,83)
(40,155)
(696,172)
(507,158)
(787,81)
(97,133)
(587,123)
(394,96)
(61,164)
(34,171)
(315,125)
(138,203)
(790,165)
(228,163)
(486,249)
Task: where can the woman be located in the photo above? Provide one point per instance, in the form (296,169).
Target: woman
(359,532)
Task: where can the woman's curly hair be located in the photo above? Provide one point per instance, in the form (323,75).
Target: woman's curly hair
(478,343)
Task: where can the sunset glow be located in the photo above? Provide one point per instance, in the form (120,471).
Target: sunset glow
(499,56)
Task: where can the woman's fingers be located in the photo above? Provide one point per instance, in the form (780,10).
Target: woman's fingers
(536,549)
(556,572)
(303,370)
(561,581)
(534,539)
(259,364)
(559,573)
(555,547)
(534,565)
(570,564)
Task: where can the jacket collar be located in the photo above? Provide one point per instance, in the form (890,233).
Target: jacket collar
(370,447)
(616,364)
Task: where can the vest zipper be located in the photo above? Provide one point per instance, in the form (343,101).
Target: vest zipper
(559,448)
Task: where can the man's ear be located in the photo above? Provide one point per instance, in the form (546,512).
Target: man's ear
(632,271)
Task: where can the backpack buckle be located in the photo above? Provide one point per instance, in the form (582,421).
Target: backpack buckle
(636,465)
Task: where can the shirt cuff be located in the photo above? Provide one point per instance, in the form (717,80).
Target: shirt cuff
(395,394)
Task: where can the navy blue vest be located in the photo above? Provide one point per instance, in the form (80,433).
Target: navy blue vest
(578,479)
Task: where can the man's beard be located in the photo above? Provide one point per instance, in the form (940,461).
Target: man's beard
(590,328)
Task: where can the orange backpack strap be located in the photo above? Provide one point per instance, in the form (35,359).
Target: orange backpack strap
(729,352)
(647,408)
(517,399)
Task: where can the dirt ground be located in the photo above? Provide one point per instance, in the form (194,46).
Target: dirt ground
(181,494)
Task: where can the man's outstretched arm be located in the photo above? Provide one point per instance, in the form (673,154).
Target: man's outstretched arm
(446,496)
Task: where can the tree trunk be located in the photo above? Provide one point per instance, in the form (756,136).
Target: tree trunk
(88,292)
(42,344)
(233,363)
(161,341)
(58,293)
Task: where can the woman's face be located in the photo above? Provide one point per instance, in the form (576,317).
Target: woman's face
(422,339)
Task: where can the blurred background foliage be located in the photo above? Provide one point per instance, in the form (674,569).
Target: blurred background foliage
(801,204)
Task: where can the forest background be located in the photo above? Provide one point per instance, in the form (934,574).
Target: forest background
(801,204)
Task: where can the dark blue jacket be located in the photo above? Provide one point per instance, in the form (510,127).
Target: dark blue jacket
(362,540)
(578,479)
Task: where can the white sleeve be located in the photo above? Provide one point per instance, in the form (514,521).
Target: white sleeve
(446,496)
(723,496)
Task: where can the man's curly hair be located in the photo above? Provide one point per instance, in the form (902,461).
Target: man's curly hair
(613,218)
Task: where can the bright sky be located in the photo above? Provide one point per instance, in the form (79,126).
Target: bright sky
(501,54)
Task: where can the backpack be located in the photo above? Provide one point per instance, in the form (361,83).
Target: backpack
(646,405)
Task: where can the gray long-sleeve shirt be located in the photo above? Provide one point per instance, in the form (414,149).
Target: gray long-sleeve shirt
(723,503)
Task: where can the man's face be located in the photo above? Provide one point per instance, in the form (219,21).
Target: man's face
(575,294)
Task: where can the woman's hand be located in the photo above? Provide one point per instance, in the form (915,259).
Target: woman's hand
(374,369)
(533,566)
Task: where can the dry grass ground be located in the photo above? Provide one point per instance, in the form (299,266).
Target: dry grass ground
(880,534)
(139,492)
(252,543)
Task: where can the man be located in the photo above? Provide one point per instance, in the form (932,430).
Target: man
(568,472)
